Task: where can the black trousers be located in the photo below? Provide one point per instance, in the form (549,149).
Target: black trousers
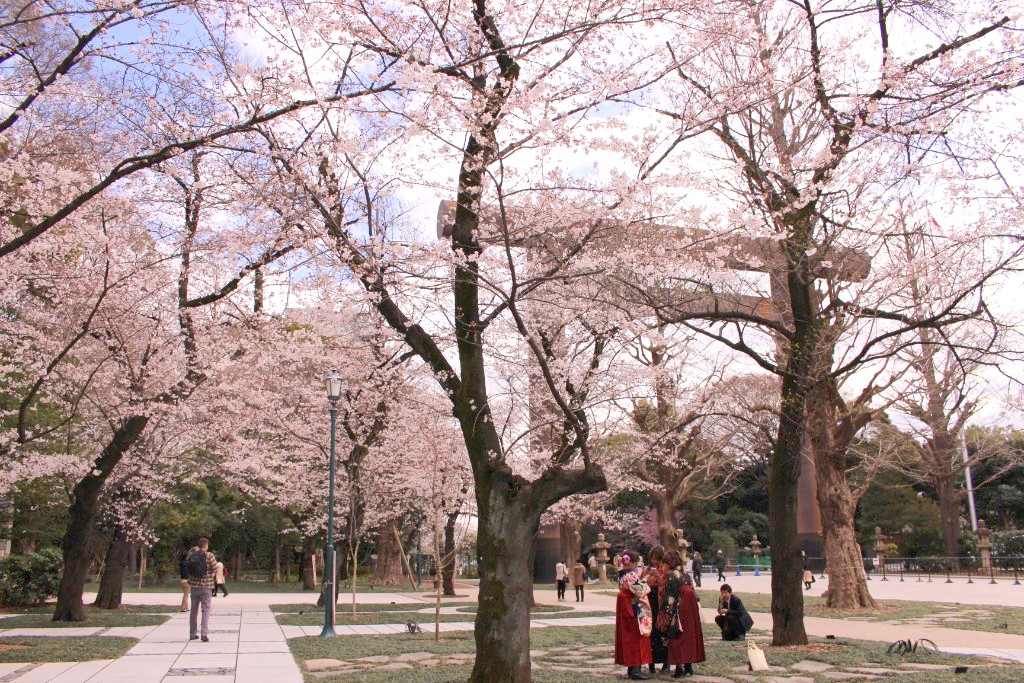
(696,579)
(561,589)
(579,593)
(220,586)
(731,627)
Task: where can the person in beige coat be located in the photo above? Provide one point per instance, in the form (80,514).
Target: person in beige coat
(218,579)
(579,579)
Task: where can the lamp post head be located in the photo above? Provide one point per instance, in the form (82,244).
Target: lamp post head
(333,382)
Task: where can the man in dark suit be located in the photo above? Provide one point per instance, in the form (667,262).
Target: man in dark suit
(733,618)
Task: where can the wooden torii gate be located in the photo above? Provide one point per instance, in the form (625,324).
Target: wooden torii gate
(741,253)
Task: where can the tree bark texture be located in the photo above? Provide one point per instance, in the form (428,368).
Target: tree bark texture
(308,553)
(830,434)
(112,581)
(448,557)
(949,512)
(389,558)
(570,541)
(502,630)
(82,517)
(666,520)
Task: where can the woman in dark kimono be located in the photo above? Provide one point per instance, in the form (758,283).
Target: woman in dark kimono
(632,619)
(680,619)
(655,577)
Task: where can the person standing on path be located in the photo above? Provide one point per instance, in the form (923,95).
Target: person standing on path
(720,565)
(561,576)
(680,619)
(183,572)
(633,622)
(218,579)
(655,576)
(579,578)
(201,569)
(698,567)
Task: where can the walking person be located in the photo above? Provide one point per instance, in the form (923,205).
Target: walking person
(579,578)
(733,618)
(219,574)
(633,623)
(183,572)
(698,567)
(720,565)
(808,574)
(561,577)
(680,620)
(201,567)
(655,576)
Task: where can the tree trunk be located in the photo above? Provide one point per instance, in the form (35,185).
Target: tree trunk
(82,517)
(448,559)
(275,573)
(570,541)
(949,513)
(112,582)
(389,558)
(502,630)
(666,520)
(847,582)
(308,553)
(787,565)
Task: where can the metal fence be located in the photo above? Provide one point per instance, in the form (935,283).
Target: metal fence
(968,569)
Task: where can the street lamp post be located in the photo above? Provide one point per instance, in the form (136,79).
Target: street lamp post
(333,381)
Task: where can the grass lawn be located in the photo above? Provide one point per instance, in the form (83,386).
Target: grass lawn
(582,654)
(976,617)
(392,614)
(46,649)
(127,615)
(294,608)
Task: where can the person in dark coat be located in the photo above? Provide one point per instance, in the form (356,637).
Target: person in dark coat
(654,575)
(733,618)
(632,619)
(680,619)
(698,567)
(720,565)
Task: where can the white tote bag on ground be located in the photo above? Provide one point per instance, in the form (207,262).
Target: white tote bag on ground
(756,657)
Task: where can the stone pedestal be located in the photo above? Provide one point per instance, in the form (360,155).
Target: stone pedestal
(984,544)
(601,547)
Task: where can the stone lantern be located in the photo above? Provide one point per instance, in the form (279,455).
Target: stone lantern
(682,545)
(602,547)
(984,544)
(880,549)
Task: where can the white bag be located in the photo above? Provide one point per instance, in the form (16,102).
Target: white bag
(756,657)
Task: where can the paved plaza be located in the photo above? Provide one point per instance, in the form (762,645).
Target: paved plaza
(248,646)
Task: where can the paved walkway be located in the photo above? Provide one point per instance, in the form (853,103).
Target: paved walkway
(246,646)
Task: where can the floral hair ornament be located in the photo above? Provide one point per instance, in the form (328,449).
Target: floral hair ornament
(626,558)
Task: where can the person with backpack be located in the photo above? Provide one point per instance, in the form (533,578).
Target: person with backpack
(201,566)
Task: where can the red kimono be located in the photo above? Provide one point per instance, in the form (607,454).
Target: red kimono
(688,646)
(631,648)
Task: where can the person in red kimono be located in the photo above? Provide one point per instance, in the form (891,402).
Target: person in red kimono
(655,575)
(679,619)
(633,621)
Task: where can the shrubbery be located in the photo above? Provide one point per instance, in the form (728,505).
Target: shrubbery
(28,580)
(1008,548)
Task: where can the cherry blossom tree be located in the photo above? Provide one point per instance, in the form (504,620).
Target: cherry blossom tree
(794,129)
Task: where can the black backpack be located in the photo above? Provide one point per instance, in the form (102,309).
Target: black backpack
(195,565)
